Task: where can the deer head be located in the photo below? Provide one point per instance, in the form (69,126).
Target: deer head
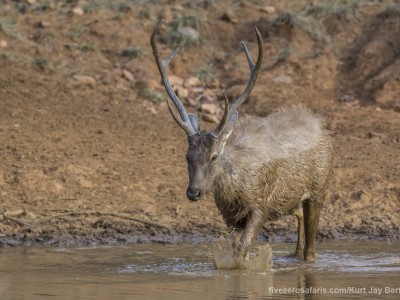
(205,147)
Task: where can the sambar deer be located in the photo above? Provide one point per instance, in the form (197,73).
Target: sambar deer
(258,169)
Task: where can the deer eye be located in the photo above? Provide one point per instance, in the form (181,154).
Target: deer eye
(214,157)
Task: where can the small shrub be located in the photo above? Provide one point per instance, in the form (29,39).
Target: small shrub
(40,62)
(205,74)
(153,95)
(131,52)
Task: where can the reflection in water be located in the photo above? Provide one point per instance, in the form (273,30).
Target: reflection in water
(343,270)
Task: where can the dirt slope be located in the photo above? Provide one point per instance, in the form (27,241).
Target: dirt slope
(90,153)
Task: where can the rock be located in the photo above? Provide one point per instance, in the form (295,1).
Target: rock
(372,135)
(150,84)
(191,101)
(178,7)
(3,43)
(43,24)
(208,96)
(152,110)
(220,56)
(268,9)
(31,2)
(14,213)
(78,11)
(209,108)
(189,33)
(215,83)
(396,139)
(210,118)
(128,75)
(85,80)
(229,16)
(283,79)
(55,187)
(175,81)
(182,92)
(197,90)
(347,98)
(234,92)
(192,82)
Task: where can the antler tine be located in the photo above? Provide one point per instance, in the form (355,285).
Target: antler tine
(253,72)
(228,113)
(221,126)
(163,64)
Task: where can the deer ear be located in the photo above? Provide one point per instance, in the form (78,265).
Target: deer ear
(194,121)
(234,117)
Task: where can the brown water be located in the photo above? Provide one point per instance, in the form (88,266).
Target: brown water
(343,270)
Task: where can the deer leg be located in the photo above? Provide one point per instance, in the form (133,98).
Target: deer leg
(237,234)
(251,231)
(311,220)
(300,233)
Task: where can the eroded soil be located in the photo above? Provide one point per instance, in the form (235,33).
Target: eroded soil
(99,159)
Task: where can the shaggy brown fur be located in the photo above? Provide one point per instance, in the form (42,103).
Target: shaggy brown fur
(266,168)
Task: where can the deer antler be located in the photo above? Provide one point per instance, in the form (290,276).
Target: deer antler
(253,77)
(189,122)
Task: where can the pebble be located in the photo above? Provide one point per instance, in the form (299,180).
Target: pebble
(209,108)
(192,82)
(210,118)
(229,16)
(372,134)
(182,92)
(84,79)
(192,101)
(220,56)
(178,7)
(347,98)
(151,84)
(43,24)
(215,83)
(78,11)
(190,33)
(3,43)
(283,79)
(175,81)
(128,75)
(268,9)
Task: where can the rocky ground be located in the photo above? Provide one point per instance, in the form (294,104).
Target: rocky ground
(90,154)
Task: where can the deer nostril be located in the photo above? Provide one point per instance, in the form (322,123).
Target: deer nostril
(193,194)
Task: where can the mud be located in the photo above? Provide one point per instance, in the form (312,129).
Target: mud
(91,155)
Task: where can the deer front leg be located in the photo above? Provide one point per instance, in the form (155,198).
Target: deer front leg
(251,231)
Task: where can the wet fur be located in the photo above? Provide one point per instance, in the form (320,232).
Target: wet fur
(270,165)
